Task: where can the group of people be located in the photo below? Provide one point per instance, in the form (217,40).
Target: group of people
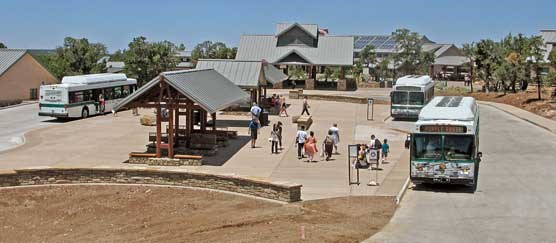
(381,148)
(307,143)
(279,102)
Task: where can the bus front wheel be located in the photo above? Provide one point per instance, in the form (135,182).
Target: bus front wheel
(85,113)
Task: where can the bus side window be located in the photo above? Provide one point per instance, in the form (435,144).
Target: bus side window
(108,94)
(125,92)
(117,92)
(87,95)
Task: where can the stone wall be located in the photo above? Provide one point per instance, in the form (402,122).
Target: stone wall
(340,98)
(164,161)
(43,176)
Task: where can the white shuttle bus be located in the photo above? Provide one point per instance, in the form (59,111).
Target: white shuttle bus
(410,94)
(84,95)
(445,142)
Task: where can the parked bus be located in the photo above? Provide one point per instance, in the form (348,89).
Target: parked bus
(84,95)
(410,94)
(445,142)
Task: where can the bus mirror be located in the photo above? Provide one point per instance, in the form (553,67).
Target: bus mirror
(480,154)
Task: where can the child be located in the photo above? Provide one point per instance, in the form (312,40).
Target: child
(385,150)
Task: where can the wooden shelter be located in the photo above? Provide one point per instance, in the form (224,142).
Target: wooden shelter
(180,94)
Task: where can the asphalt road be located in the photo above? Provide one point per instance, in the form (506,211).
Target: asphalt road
(16,121)
(515,201)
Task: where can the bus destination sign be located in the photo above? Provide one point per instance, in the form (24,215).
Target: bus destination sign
(443,129)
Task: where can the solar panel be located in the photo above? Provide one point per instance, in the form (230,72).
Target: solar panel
(450,102)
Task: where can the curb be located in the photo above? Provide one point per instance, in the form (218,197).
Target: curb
(520,117)
(402,191)
(18,105)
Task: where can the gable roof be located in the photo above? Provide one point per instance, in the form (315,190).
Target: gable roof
(311,29)
(206,87)
(331,50)
(244,73)
(8,57)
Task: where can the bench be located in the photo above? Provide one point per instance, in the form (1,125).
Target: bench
(305,121)
(186,156)
(139,154)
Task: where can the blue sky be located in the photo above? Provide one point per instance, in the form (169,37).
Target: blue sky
(44,24)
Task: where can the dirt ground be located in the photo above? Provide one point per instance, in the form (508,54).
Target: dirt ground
(524,100)
(97,213)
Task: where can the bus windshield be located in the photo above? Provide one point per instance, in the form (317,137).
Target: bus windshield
(399,97)
(437,147)
(416,98)
(427,146)
(458,147)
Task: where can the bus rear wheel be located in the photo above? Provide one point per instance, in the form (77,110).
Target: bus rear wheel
(85,113)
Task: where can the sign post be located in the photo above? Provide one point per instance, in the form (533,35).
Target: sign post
(370,104)
(374,156)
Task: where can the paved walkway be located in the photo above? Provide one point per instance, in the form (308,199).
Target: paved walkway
(106,141)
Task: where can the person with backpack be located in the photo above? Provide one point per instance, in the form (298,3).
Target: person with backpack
(253,130)
(335,135)
(328,144)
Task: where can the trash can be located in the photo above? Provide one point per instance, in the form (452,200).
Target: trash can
(264,118)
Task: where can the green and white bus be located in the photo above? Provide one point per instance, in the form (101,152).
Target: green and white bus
(409,95)
(445,142)
(84,95)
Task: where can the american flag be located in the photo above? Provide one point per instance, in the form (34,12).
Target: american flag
(323,31)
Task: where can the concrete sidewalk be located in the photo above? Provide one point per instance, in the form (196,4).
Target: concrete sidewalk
(105,141)
(547,124)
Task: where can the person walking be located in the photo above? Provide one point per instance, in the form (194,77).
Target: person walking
(328,145)
(255,111)
(279,132)
(335,135)
(300,139)
(283,106)
(311,147)
(305,106)
(253,130)
(274,139)
(385,150)
(374,144)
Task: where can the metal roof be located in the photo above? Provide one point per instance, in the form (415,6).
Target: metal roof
(451,60)
(206,87)
(449,108)
(549,36)
(9,57)
(311,29)
(331,50)
(243,73)
(414,80)
(185,65)
(381,43)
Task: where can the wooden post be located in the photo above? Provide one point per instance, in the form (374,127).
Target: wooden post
(177,120)
(170,131)
(259,95)
(264,92)
(203,120)
(189,118)
(159,118)
(213,115)
(158,131)
(171,106)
